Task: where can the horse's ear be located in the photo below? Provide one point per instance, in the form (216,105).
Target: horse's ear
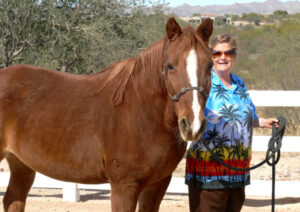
(205,29)
(173,29)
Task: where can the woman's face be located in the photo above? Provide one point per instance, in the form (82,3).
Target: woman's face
(223,57)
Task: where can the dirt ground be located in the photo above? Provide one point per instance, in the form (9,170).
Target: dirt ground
(50,200)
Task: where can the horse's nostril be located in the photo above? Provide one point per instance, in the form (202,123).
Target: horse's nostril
(185,126)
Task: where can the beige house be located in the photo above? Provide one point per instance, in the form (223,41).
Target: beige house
(199,19)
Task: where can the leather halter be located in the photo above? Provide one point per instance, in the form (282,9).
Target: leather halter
(183,90)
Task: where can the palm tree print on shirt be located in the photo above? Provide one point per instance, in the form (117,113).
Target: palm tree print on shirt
(230,116)
(220,92)
(248,122)
(243,93)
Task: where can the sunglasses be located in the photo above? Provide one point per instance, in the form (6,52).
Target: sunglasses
(227,54)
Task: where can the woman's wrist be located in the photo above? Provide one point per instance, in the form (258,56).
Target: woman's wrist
(260,122)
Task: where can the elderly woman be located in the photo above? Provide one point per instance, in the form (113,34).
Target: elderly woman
(231,117)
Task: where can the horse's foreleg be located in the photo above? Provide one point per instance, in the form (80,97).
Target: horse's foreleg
(20,182)
(124,196)
(151,197)
(2,155)
(2,150)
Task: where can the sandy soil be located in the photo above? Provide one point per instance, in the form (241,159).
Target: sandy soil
(50,200)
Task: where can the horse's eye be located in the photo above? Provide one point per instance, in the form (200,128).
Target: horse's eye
(170,67)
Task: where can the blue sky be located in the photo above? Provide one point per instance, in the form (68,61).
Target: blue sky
(174,3)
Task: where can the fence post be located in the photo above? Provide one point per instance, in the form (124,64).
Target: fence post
(71,192)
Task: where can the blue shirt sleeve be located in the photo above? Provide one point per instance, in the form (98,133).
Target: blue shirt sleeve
(254,111)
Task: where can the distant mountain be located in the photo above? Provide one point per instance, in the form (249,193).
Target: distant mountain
(267,7)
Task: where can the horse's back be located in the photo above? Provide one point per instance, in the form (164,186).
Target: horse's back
(27,91)
(22,81)
(28,84)
(28,77)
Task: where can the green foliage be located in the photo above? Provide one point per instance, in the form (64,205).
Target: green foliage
(277,15)
(220,21)
(228,29)
(269,56)
(253,18)
(20,23)
(280,13)
(269,59)
(78,36)
(235,17)
(196,14)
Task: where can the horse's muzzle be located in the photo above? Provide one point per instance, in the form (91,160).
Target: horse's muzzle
(187,132)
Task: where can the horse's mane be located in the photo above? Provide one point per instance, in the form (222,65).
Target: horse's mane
(120,74)
(150,62)
(146,63)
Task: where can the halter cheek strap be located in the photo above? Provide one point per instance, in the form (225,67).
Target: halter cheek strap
(183,90)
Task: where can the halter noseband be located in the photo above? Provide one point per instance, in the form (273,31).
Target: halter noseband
(183,90)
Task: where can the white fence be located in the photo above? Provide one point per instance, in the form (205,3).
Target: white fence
(257,187)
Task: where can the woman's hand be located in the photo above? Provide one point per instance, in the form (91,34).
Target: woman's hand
(268,122)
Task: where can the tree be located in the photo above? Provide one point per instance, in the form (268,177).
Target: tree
(78,31)
(280,13)
(20,23)
(221,20)
(235,17)
(196,15)
(78,36)
(255,18)
(96,33)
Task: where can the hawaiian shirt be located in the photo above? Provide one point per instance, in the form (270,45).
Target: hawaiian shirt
(230,115)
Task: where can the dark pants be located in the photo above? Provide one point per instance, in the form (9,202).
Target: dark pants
(216,200)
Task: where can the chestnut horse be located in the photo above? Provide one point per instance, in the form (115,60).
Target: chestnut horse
(126,125)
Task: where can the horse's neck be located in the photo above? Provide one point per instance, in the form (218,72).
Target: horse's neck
(149,83)
(149,64)
(143,71)
(140,81)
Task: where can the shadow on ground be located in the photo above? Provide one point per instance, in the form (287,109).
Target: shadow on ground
(90,195)
(267,202)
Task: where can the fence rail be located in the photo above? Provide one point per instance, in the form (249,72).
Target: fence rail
(275,98)
(257,187)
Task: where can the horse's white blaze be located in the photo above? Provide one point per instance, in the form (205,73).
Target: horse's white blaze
(192,75)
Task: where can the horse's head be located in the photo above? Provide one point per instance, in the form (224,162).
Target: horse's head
(187,72)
